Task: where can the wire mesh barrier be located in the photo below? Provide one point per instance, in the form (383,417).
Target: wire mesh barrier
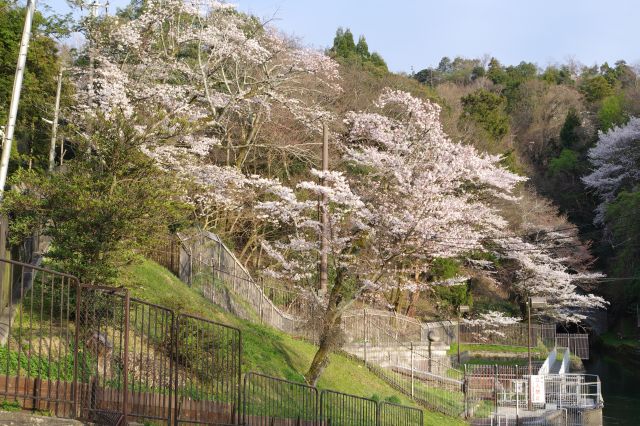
(578,343)
(37,310)
(511,335)
(380,328)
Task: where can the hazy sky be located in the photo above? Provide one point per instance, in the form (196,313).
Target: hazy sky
(414,34)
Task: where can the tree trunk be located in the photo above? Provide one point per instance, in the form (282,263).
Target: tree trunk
(411,307)
(330,331)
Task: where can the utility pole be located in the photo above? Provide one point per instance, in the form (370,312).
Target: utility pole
(93,12)
(54,126)
(324,241)
(15,94)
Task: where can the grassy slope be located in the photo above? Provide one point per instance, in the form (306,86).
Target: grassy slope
(264,349)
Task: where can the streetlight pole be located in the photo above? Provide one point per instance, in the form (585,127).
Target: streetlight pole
(529,334)
(533,302)
(15,94)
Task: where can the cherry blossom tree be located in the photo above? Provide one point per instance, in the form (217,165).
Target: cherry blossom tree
(491,324)
(408,189)
(207,71)
(615,160)
(540,273)
(202,82)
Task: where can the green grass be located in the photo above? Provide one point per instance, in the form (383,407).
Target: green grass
(496,348)
(612,339)
(265,350)
(496,361)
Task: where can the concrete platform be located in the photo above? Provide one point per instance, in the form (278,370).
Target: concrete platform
(18,418)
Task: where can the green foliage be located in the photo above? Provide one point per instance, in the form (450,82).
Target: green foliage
(454,296)
(496,73)
(345,49)
(567,162)
(393,399)
(6,405)
(511,77)
(622,219)
(511,162)
(459,71)
(612,112)
(555,75)
(362,48)
(445,268)
(100,208)
(596,88)
(32,135)
(569,132)
(343,44)
(487,109)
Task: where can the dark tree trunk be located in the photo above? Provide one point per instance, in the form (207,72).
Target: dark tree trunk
(330,331)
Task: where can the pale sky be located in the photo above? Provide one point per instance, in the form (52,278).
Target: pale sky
(414,34)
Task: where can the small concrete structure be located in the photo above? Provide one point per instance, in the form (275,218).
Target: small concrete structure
(18,418)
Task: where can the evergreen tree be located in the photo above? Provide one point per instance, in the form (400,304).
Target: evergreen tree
(343,44)
(569,132)
(362,49)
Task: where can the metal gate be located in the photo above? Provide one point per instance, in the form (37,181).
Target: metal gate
(96,354)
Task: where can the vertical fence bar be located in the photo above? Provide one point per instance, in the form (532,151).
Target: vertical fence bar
(412,374)
(125,379)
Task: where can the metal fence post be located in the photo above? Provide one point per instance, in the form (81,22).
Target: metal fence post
(412,375)
(262,296)
(239,420)
(495,386)
(364,326)
(171,417)
(234,275)
(465,392)
(74,387)
(125,361)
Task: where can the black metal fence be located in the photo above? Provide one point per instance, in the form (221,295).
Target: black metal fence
(96,354)
(268,401)
(271,401)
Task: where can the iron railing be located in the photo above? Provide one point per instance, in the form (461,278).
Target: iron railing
(37,335)
(268,400)
(96,354)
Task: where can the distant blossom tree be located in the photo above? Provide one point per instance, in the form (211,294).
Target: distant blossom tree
(615,160)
